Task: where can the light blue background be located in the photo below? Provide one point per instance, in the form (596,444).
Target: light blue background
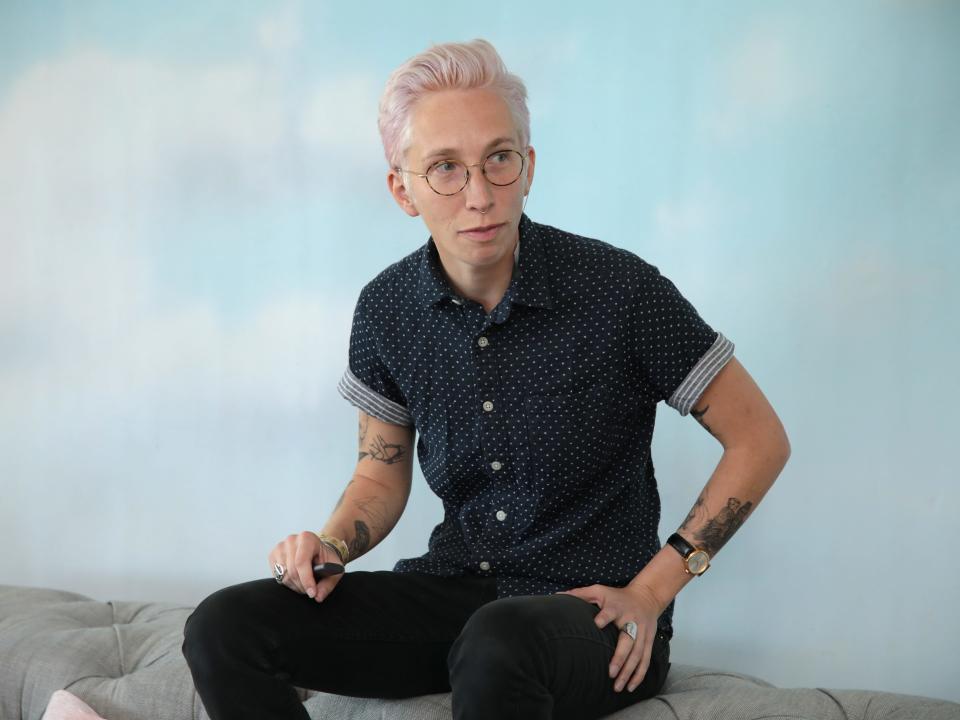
(192,195)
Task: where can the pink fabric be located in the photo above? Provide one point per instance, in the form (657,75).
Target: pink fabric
(67,706)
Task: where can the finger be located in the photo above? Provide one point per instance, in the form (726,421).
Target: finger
(306,551)
(291,578)
(633,658)
(326,586)
(275,558)
(587,593)
(606,616)
(621,654)
(644,665)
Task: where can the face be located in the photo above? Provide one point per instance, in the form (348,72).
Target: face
(477,227)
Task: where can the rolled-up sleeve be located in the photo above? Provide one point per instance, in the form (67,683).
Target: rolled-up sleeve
(675,351)
(366,383)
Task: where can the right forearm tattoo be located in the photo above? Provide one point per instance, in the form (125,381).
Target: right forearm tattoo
(361,539)
(372,506)
(375,523)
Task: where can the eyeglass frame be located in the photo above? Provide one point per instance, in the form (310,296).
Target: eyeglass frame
(524,156)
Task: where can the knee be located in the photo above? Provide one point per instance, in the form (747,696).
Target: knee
(220,618)
(499,637)
(204,627)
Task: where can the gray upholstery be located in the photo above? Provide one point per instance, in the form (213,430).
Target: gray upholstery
(124,660)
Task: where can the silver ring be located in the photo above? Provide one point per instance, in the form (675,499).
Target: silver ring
(278,572)
(630,628)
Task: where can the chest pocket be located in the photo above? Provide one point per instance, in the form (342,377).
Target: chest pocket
(575,436)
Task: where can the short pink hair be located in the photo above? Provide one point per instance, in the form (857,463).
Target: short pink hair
(460,66)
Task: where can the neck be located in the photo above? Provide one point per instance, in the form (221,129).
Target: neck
(485,285)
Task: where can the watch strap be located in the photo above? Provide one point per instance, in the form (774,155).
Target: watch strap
(678,543)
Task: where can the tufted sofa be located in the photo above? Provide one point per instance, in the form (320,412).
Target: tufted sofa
(123,659)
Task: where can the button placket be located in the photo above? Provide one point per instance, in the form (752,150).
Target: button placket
(493,437)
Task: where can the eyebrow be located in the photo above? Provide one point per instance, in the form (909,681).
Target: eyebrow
(452,151)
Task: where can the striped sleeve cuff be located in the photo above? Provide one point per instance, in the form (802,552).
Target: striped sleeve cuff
(706,369)
(372,402)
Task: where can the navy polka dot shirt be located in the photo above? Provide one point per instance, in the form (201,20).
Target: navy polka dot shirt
(534,421)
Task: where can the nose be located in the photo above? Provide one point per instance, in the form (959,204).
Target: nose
(479,191)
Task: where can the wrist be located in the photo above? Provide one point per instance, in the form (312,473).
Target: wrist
(337,545)
(696,561)
(643,590)
(663,577)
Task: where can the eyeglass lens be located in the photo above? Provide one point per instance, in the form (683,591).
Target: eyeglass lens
(448,177)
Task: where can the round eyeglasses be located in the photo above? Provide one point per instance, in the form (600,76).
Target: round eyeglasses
(448,177)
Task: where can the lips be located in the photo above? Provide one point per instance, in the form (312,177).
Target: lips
(482,229)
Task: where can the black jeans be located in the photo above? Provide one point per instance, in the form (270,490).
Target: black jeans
(391,635)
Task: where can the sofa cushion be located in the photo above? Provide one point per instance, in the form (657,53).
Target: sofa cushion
(64,705)
(123,659)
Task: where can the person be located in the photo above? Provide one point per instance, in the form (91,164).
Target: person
(528,362)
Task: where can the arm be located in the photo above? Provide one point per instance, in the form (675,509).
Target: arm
(366,512)
(755,449)
(375,497)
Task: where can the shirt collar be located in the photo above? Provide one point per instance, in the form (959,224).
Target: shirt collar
(529,285)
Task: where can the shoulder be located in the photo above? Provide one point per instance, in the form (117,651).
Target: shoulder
(396,284)
(571,255)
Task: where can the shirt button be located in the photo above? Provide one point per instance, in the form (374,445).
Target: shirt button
(484,565)
(496,465)
(458,301)
(488,406)
(483,342)
(501,515)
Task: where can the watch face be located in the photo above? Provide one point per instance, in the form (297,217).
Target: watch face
(698,562)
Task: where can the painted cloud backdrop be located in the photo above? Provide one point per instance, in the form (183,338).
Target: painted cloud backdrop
(192,197)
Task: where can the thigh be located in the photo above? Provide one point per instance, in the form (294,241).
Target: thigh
(378,634)
(558,637)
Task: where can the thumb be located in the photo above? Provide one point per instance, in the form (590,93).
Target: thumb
(585,593)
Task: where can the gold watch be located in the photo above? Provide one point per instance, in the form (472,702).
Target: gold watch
(695,560)
(336,544)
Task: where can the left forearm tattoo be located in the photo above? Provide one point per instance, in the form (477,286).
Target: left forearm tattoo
(698,511)
(714,534)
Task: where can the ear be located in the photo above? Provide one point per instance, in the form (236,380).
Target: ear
(403,198)
(531,162)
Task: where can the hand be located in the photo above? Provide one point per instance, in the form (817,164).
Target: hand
(631,659)
(298,554)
